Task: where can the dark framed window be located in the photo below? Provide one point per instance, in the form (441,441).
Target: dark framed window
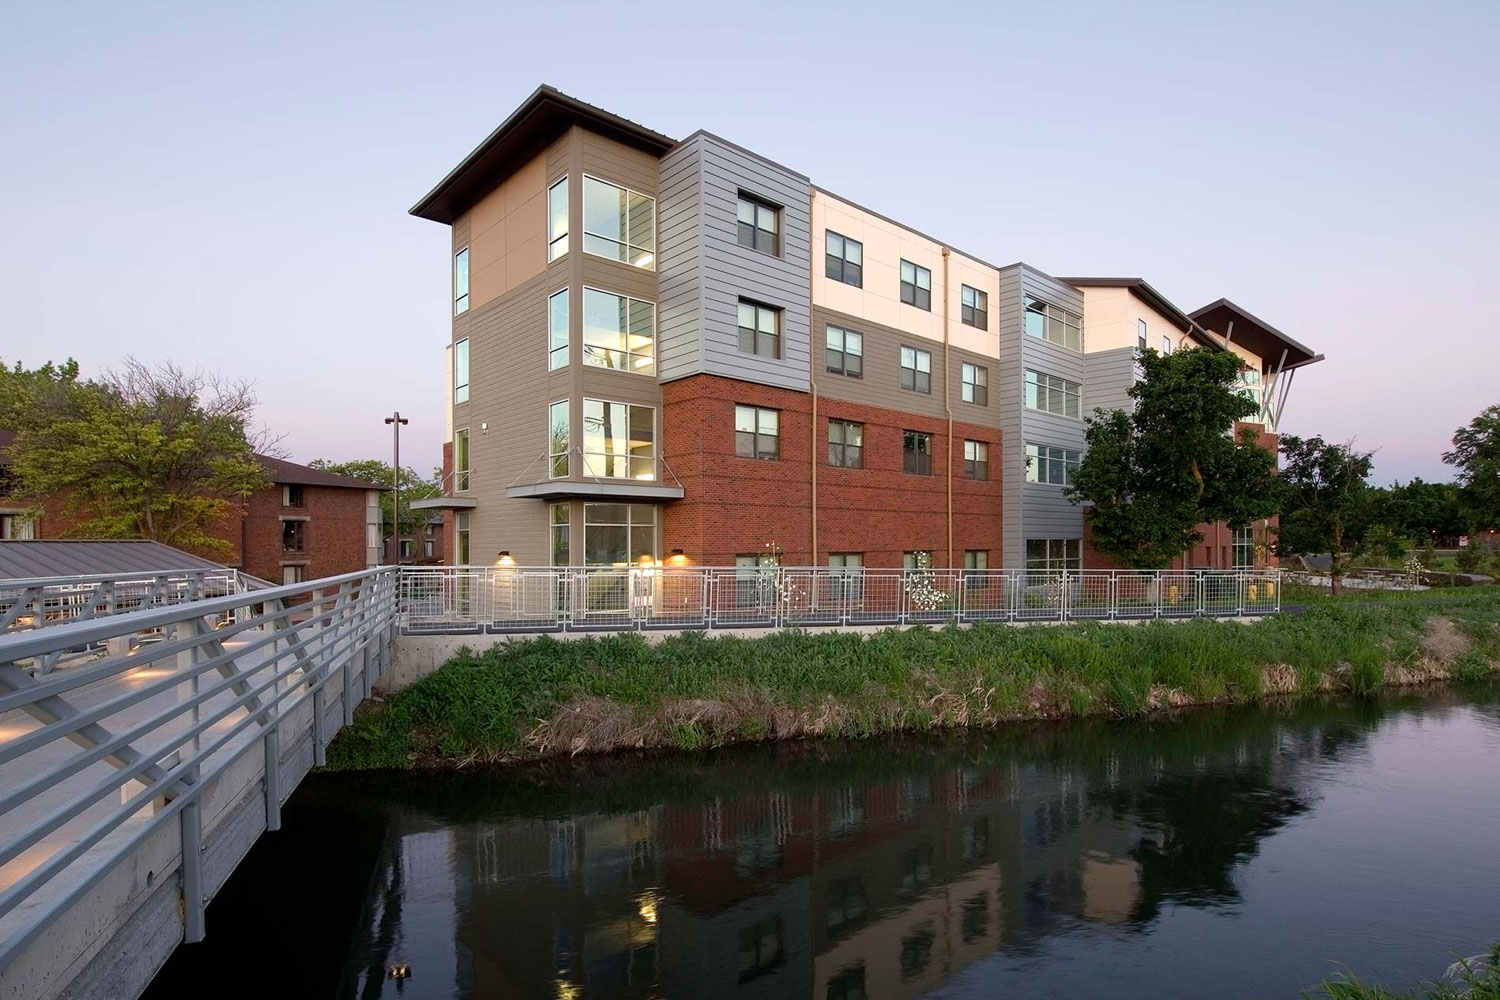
(844,259)
(294,536)
(1053,323)
(916,950)
(293,495)
(916,285)
(976,384)
(846,444)
(1052,394)
(761,949)
(759,224)
(975,310)
(846,352)
(757,432)
(1049,465)
(916,453)
(461,281)
(916,369)
(976,460)
(1053,553)
(977,559)
(1140,334)
(760,329)
(848,984)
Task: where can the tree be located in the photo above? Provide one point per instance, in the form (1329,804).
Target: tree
(1419,510)
(141,452)
(1329,505)
(1154,474)
(1476,455)
(413,487)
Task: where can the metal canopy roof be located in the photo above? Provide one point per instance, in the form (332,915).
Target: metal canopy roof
(32,559)
(1256,334)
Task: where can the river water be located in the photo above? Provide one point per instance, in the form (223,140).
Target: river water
(1223,853)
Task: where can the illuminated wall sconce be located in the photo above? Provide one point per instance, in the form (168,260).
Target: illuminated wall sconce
(505,559)
(677,558)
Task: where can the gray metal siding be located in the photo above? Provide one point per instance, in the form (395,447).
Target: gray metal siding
(1034,510)
(1108,377)
(705,272)
(679,276)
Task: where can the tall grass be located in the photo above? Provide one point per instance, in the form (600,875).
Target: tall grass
(1480,981)
(524,699)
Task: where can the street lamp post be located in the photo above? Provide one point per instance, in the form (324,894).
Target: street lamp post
(396,420)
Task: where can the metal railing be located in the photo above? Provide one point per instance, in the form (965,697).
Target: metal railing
(97,759)
(551,599)
(29,605)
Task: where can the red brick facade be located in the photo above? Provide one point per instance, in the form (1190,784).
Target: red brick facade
(334,533)
(734,506)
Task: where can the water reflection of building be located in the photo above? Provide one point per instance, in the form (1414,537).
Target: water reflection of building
(881,888)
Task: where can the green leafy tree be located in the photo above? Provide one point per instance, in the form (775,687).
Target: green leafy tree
(1419,510)
(1476,456)
(1154,474)
(413,487)
(1329,506)
(142,452)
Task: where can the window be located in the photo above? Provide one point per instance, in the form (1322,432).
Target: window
(846,905)
(846,352)
(14,526)
(844,259)
(757,432)
(760,329)
(916,285)
(1166,345)
(619,332)
(1053,466)
(760,949)
(977,559)
(557,220)
(974,919)
(1053,553)
(292,495)
(619,440)
(1244,548)
(405,548)
(294,536)
(920,559)
(1052,394)
(428,548)
(846,444)
(618,534)
(975,310)
(916,950)
(916,453)
(759,224)
(557,330)
(849,984)
(1054,324)
(558,439)
(461,371)
(976,384)
(754,578)
(461,460)
(618,223)
(1140,334)
(976,460)
(291,574)
(846,570)
(461,281)
(560,526)
(916,369)
(461,538)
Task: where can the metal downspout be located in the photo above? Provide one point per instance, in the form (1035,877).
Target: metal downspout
(812,382)
(948,405)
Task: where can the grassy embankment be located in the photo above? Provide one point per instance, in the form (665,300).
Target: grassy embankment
(530,699)
(1480,982)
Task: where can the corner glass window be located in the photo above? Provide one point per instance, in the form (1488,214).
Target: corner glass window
(557,220)
(461,460)
(619,223)
(1054,324)
(619,332)
(461,371)
(558,439)
(461,281)
(1051,466)
(560,526)
(619,440)
(1052,394)
(557,330)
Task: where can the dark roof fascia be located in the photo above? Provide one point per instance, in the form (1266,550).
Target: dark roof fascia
(543,116)
(1308,355)
(1141,289)
(284,472)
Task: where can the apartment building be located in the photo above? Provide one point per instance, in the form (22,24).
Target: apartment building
(681,351)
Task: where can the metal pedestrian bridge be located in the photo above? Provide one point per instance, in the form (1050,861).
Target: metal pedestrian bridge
(152,726)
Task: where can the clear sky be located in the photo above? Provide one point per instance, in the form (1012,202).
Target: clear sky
(226,184)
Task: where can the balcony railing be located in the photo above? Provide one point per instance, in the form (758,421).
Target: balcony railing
(550,599)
